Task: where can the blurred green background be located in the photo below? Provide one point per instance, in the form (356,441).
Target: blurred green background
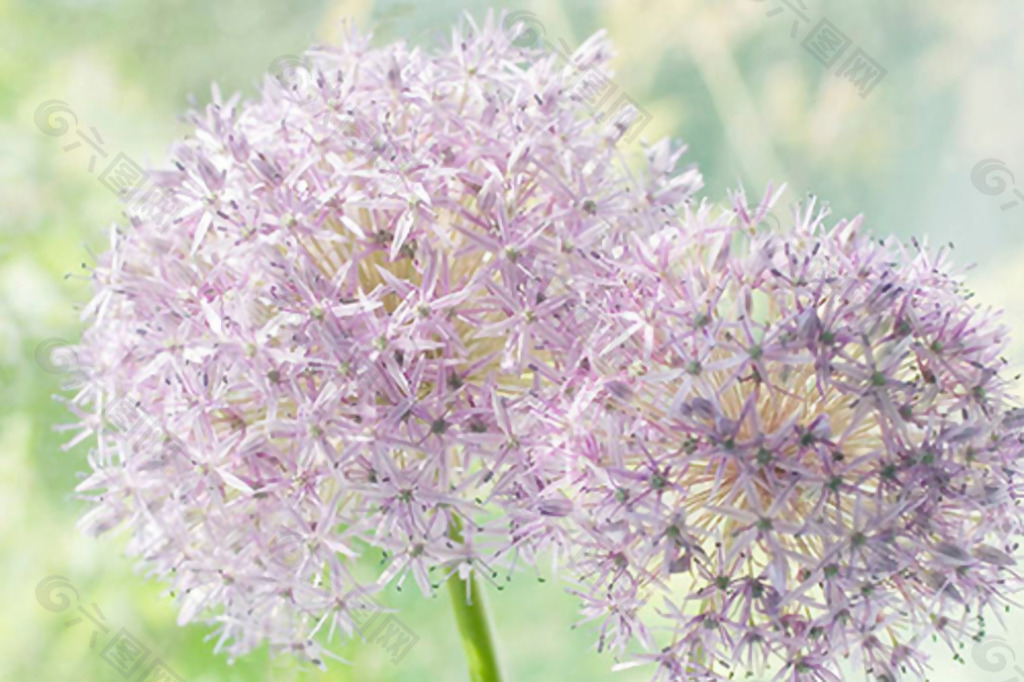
(731,77)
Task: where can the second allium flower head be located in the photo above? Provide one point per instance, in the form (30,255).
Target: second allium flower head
(798,446)
(475,317)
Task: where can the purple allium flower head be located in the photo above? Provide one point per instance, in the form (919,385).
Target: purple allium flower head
(794,446)
(349,335)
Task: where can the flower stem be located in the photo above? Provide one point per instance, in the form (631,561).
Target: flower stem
(471,617)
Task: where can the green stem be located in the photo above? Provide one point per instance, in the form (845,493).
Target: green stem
(471,616)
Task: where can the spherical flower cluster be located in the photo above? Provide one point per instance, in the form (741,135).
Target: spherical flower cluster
(417,303)
(347,334)
(794,446)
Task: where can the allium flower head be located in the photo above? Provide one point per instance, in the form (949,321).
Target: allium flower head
(344,336)
(795,446)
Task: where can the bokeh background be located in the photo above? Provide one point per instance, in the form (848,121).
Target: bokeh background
(932,151)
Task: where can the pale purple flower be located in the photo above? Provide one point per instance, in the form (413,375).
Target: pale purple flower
(349,334)
(793,447)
